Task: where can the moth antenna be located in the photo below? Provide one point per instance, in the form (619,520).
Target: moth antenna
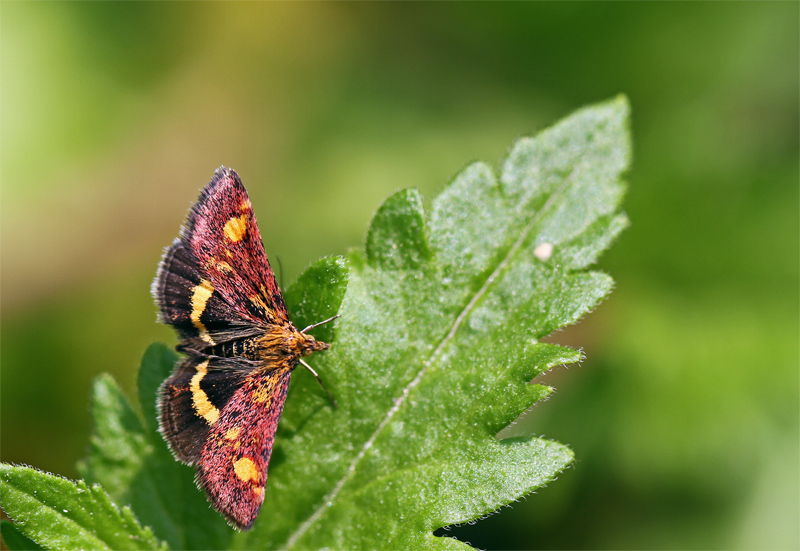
(320,323)
(311,369)
(280,271)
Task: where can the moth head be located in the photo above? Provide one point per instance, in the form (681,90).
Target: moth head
(311,345)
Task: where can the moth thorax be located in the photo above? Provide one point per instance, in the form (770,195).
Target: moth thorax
(286,340)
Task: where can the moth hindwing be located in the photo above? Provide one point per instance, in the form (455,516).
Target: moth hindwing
(219,409)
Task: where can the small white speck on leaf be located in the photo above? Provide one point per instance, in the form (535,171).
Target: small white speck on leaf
(543,251)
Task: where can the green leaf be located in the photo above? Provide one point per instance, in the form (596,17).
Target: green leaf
(57,513)
(437,343)
(317,295)
(119,443)
(399,239)
(15,540)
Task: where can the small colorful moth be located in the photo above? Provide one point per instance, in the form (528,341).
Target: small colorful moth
(219,409)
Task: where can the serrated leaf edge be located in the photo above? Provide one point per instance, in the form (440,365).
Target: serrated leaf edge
(399,401)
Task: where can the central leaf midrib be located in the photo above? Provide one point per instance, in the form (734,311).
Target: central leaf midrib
(400,400)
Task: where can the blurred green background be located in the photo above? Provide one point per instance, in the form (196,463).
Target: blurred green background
(684,415)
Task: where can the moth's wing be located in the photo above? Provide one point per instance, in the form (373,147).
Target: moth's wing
(187,300)
(222,234)
(215,285)
(233,462)
(191,399)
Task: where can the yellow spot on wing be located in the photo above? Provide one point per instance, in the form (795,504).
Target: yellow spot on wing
(233,433)
(245,469)
(200,401)
(261,394)
(236,227)
(200,295)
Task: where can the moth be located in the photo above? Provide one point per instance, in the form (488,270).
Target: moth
(219,409)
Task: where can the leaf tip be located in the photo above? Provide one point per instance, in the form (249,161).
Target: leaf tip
(398,234)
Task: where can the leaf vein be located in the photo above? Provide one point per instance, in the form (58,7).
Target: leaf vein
(400,400)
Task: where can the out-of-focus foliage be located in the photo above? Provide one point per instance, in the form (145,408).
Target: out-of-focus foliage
(683,418)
